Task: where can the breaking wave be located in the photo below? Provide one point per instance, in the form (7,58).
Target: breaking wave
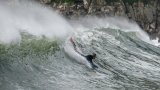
(35,53)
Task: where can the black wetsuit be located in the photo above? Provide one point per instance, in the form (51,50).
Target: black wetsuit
(89,58)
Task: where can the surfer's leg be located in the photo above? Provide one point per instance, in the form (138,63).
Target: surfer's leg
(94,66)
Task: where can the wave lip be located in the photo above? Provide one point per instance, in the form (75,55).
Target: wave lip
(30,17)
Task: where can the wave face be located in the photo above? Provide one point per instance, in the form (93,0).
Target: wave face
(125,62)
(126,58)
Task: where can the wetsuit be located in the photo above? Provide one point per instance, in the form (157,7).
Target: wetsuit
(89,58)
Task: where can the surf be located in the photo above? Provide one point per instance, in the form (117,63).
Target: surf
(70,51)
(35,51)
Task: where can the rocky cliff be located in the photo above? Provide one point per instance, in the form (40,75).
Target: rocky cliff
(145,12)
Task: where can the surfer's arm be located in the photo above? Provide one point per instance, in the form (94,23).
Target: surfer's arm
(81,54)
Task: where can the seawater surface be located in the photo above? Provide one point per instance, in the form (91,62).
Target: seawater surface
(32,55)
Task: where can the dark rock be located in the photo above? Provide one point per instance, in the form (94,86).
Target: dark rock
(147,15)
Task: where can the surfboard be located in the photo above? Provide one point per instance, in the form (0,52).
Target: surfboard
(70,50)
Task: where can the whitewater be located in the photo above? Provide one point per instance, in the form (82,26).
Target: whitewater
(36,54)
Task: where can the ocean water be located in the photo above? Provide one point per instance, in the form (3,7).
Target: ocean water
(34,54)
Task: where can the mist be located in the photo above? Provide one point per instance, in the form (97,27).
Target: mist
(32,18)
(39,20)
(119,23)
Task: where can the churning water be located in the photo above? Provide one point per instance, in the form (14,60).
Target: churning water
(32,56)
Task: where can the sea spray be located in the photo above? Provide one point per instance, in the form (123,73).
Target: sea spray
(32,18)
(40,20)
(121,23)
(124,60)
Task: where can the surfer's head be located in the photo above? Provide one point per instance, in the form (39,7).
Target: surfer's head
(94,55)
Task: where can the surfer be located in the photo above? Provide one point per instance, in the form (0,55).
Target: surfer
(88,57)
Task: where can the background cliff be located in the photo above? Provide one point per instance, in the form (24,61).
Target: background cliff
(145,12)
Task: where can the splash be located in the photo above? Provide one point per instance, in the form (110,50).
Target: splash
(26,16)
(120,23)
(30,17)
(124,61)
